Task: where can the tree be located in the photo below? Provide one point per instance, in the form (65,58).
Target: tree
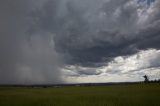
(146,78)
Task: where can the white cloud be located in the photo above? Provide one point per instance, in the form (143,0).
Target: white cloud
(141,60)
(122,68)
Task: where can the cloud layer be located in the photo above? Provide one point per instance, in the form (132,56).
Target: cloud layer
(101,30)
(40,38)
(26,57)
(121,68)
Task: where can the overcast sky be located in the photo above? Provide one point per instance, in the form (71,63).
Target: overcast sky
(76,41)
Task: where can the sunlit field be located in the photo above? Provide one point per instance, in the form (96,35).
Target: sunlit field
(113,95)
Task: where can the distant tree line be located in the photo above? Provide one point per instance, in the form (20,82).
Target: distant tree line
(146,80)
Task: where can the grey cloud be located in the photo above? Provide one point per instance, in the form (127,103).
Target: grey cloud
(37,38)
(78,71)
(88,72)
(101,33)
(74,30)
(137,63)
(26,57)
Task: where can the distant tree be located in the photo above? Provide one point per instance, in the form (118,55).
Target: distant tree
(146,78)
(158,80)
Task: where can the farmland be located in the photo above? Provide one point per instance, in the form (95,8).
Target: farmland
(111,95)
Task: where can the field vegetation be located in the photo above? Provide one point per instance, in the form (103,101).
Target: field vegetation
(112,95)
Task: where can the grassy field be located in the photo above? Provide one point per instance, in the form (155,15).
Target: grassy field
(115,95)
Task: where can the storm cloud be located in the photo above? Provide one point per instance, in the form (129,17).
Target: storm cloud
(98,32)
(42,40)
(26,57)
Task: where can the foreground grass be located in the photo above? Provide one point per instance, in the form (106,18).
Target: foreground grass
(115,95)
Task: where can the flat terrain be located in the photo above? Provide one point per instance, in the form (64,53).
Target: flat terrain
(113,95)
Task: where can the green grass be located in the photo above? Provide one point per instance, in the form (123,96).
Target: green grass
(115,95)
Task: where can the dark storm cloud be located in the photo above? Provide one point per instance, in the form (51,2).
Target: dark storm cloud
(94,34)
(149,36)
(38,38)
(9,38)
(89,33)
(26,57)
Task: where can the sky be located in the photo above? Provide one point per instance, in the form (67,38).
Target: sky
(79,41)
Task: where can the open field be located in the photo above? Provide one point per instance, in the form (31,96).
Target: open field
(113,95)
